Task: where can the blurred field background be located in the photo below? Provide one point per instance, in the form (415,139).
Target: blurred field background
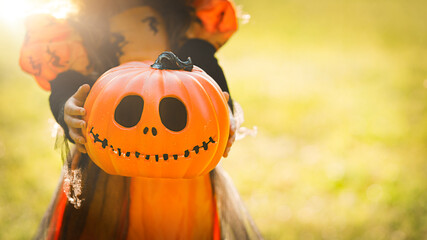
(338,91)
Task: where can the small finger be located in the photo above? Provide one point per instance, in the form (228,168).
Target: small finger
(81,148)
(227,150)
(74,110)
(231,141)
(226,95)
(74,122)
(233,129)
(82,93)
(76,136)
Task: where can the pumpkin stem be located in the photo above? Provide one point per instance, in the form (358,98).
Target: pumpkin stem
(169,61)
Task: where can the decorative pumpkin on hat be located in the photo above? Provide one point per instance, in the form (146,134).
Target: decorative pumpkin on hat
(217,15)
(165,120)
(51,46)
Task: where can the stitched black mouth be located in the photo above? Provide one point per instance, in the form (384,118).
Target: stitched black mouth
(120,152)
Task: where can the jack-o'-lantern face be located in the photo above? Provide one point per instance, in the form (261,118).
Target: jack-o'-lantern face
(148,122)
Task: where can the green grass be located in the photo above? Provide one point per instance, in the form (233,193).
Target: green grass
(29,166)
(338,92)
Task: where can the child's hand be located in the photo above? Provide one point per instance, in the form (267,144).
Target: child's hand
(73,113)
(232,135)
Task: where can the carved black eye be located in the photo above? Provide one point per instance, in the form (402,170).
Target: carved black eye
(173,114)
(129,111)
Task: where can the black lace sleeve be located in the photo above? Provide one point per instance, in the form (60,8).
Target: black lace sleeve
(202,54)
(62,88)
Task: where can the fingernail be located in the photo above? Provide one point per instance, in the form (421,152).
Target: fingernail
(82,124)
(82,111)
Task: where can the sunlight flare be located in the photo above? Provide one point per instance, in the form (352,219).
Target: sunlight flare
(13,11)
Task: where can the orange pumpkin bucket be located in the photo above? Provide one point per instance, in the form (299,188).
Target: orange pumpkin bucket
(165,120)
